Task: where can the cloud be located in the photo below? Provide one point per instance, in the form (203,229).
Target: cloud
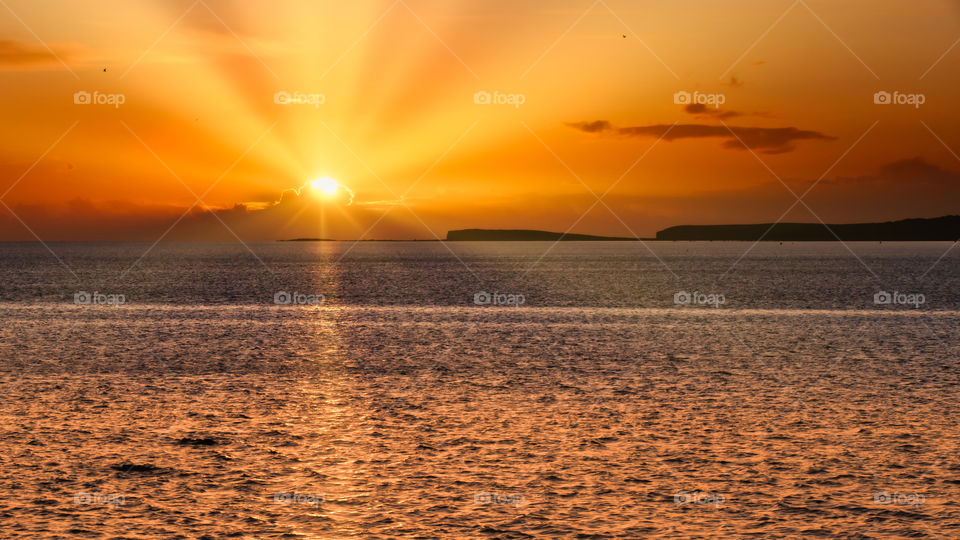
(910,173)
(733,82)
(344,196)
(919,170)
(699,109)
(900,189)
(592,127)
(296,213)
(15,55)
(766,140)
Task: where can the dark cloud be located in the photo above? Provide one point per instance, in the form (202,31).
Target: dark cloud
(699,109)
(766,140)
(901,189)
(917,169)
(908,173)
(297,213)
(733,83)
(592,127)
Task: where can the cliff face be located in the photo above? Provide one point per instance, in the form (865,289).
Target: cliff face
(945,228)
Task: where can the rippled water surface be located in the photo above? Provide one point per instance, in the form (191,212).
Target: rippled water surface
(393,406)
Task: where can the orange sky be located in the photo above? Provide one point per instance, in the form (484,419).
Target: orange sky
(399,125)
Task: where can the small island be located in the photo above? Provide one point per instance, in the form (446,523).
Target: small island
(308,240)
(526,235)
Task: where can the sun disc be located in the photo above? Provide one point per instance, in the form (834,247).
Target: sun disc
(326,185)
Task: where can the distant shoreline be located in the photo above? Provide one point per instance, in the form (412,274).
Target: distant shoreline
(941,229)
(425,241)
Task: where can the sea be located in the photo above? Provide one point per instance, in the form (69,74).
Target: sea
(327,390)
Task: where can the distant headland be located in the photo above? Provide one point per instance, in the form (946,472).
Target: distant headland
(946,228)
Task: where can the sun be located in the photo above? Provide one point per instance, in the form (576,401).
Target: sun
(326,184)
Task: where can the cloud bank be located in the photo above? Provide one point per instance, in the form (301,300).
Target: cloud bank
(765,140)
(905,188)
